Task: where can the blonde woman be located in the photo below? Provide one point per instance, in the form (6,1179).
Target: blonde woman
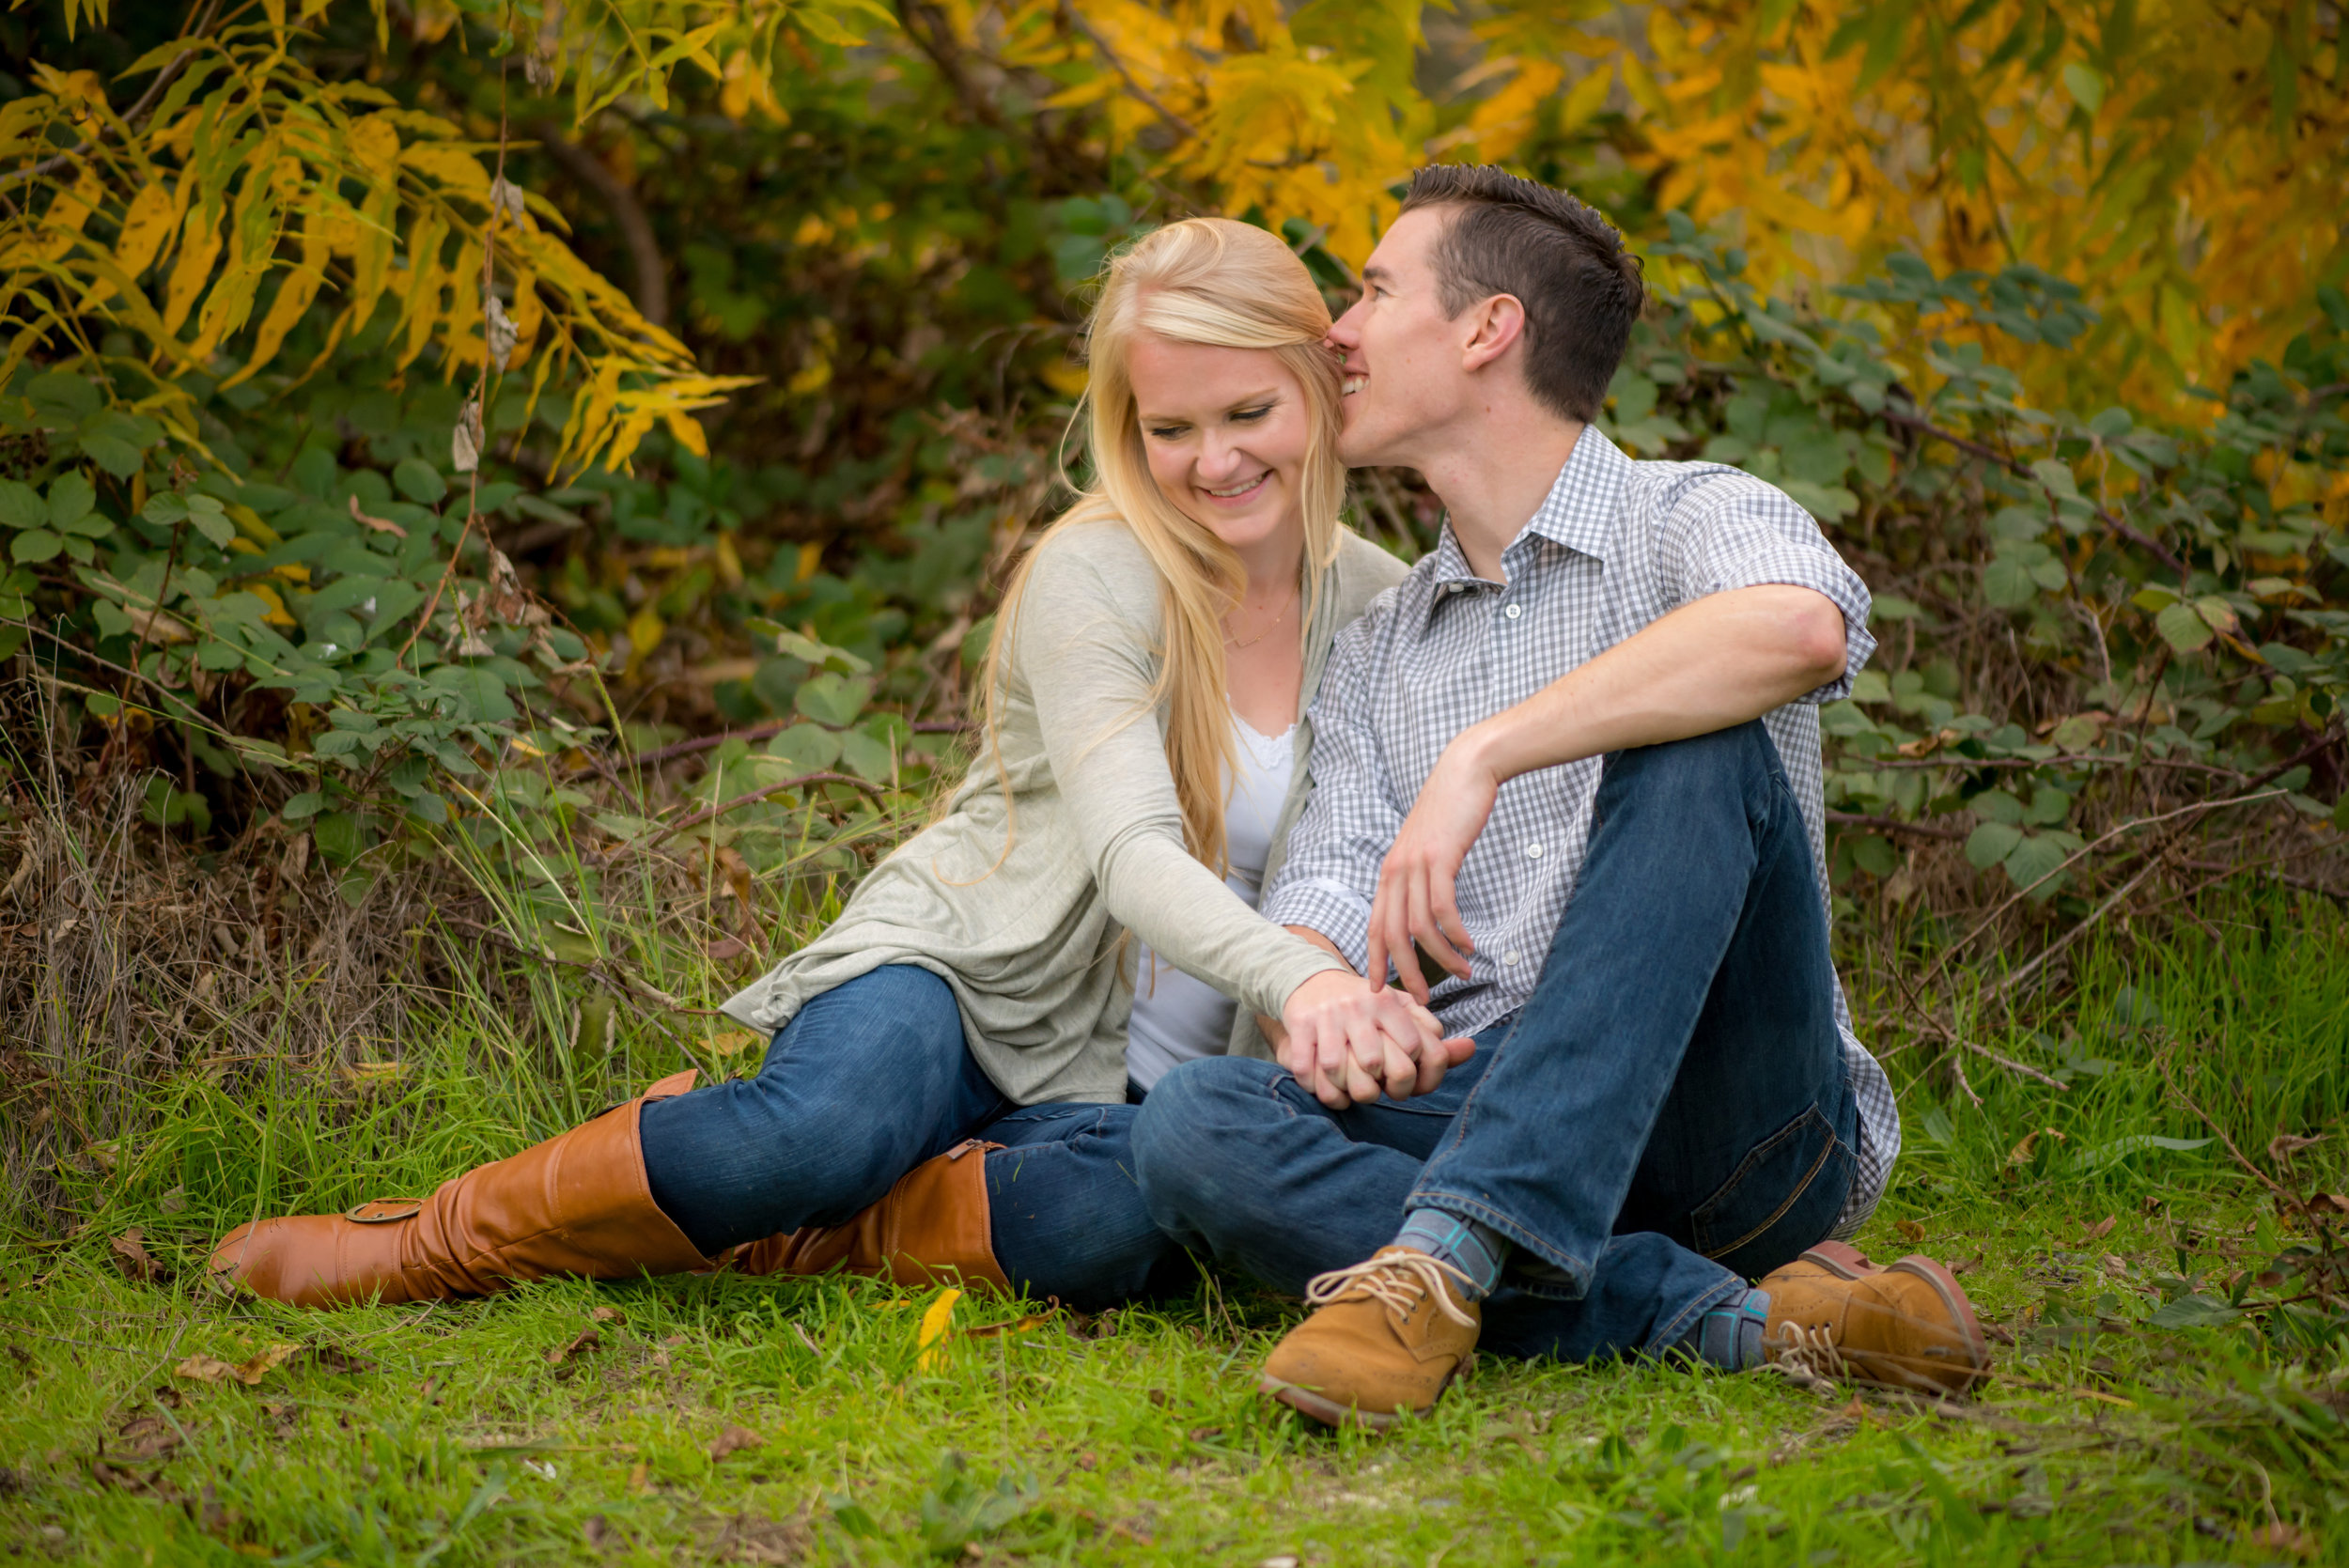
(948,1092)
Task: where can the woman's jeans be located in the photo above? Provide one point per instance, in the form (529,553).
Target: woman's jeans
(1667,1115)
(868,1080)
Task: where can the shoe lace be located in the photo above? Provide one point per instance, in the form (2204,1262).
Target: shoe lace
(1808,1355)
(1395,1279)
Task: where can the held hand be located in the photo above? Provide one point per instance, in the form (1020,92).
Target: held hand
(1414,899)
(1348,1041)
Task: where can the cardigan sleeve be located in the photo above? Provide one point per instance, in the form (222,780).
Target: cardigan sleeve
(1084,640)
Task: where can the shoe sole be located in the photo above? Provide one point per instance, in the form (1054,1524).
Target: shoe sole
(1961,1310)
(1329,1412)
(1841,1259)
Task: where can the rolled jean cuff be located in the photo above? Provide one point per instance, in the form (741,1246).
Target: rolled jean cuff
(1567,1279)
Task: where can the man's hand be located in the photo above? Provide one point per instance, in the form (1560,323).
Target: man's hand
(1348,1041)
(1414,899)
(1714,662)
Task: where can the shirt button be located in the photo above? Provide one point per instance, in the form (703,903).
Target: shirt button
(1515,611)
(1509,959)
(1534,851)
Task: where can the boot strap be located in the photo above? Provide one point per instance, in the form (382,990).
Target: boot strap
(409,1207)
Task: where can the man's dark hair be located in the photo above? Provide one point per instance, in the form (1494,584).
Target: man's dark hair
(1562,261)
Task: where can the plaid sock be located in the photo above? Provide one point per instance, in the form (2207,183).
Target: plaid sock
(1729,1337)
(1477,1250)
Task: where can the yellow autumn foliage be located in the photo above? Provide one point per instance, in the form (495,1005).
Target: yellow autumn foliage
(2185,162)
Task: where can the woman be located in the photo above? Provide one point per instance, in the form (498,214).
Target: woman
(946,1092)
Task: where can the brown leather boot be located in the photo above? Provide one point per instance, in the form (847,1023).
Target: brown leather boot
(1905,1325)
(1389,1337)
(577,1203)
(934,1227)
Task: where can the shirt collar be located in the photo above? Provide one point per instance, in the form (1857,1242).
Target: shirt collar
(1579,512)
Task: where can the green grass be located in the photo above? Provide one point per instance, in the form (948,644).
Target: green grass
(2165,1398)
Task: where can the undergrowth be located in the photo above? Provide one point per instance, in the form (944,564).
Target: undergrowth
(2145,1224)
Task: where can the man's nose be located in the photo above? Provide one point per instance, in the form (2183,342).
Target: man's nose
(1344,335)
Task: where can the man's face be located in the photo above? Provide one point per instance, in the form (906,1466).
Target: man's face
(1404,376)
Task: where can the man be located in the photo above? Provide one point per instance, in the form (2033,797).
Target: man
(1574,760)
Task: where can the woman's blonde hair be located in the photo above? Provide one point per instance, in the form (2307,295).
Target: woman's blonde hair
(1225,284)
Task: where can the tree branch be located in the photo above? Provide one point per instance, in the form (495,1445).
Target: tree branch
(1174,123)
(2016,466)
(644,261)
(715,811)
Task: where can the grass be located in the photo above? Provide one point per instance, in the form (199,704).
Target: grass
(2175,1388)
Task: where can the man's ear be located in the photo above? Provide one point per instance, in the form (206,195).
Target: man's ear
(1495,326)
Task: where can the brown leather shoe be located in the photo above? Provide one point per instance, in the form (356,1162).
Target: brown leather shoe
(934,1227)
(577,1203)
(1388,1335)
(1908,1325)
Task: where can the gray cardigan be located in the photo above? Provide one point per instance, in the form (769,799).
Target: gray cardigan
(1027,935)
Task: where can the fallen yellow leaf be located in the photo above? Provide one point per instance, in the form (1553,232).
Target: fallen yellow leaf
(933,1327)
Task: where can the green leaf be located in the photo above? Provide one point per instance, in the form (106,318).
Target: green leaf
(21,505)
(419,481)
(808,747)
(2085,87)
(2217,614)
(2035,857)
(2195,1311)
(36,546)
(2089,1161)
(62,399)
(833,699)
(70,497)
(2183,628)
(480,690)
(867,757)
(117,441)
(1991,842)
(339,836)
(2009,582)
(1996,805)
(2153,597)
(307,804)
(2055,475)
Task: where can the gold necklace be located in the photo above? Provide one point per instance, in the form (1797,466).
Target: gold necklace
(1231,641)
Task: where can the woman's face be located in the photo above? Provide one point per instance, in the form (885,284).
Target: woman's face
(1226,431)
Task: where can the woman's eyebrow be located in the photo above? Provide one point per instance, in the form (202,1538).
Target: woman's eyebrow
(1268,395)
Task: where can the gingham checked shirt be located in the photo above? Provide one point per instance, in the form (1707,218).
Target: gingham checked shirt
(1615,545)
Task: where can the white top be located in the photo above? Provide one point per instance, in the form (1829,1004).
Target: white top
(1175,1016)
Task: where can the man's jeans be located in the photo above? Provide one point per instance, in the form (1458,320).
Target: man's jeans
(1667,1113)
(865,1082)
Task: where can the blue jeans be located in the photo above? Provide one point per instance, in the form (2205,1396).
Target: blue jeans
(868,1080)
(1666,1117)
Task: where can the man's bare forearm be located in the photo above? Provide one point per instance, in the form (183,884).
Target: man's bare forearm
(1720,662)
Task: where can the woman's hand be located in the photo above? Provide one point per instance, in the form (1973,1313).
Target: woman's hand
(1348,1041)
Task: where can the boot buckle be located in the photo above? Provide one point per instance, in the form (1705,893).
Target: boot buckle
(364,1215)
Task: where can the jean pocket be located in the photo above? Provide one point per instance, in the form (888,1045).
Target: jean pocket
(1781,1198)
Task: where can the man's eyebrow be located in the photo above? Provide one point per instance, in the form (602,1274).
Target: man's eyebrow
(1376,274)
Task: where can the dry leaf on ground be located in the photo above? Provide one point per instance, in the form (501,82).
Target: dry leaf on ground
(137,1265)
(209,1369)
(2102,1229)
(733,1439)
(2280,1537)
(587,1342)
